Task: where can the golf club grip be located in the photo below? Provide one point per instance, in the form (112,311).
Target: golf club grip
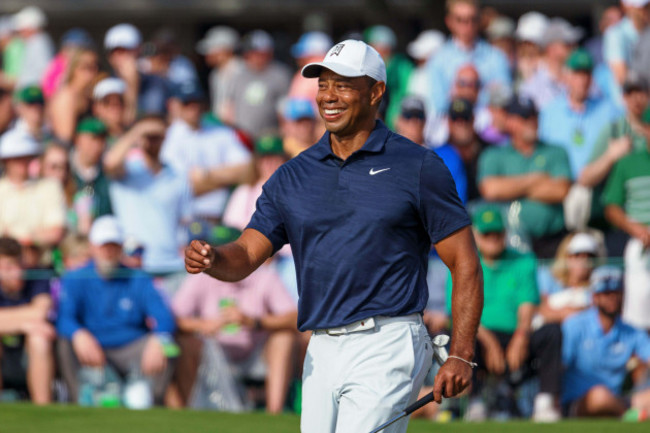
(418,404)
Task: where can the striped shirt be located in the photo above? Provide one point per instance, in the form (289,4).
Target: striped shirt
(629,186)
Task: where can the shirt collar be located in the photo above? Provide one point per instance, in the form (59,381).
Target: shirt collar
(613,332)
(374,144)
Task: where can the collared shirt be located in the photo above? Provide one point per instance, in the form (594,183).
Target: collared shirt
(116,311)
(575,132)
(491,63)
(592,357)
(619,41)
(360,229)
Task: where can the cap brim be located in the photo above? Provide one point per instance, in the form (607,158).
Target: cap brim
(313,70)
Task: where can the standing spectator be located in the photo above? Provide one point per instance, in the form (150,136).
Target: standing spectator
(398,69)
(611,16)
(111,314)
(73,40)
(31,211)
(641,55)
(218,47)
(534,175)
(30,112)
(530,31)
(6,109)
(150,199)
(73,98)
(422,49)
(30,22)
(508,346)
(256,91)
(569,120)
(299,125)
(596,348)
(464,47)
(24,306)
(109,106)
(626,207)
(411,120)
(311,47)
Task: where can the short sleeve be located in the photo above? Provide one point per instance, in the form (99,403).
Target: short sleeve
(615,189)
(489,164)
(267,218)
(613,45)
(602,142)
(642,346)
(440,208)
(527,292)
(560,166)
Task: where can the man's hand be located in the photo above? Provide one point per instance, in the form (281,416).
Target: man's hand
(87,349)
(199,256)
(210,327)
(39,328)
(235,316)
(154,360)
(619,147)
(517,351)
(452,378)
(640,232)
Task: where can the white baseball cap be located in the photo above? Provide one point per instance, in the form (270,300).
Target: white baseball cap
(635,3)
(106,230)
(109,86)
(583,243)
(426,44)
(122,36)
(531,27)
(218,38)
(560,30)
(17,143)
(30,17)
(350,58)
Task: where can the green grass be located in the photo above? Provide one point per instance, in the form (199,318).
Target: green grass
(24,418)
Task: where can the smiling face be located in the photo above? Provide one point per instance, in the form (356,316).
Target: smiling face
(348,105)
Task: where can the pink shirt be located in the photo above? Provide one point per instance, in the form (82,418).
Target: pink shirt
(54,75)
(260,294)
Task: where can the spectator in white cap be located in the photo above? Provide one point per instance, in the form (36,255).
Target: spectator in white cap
(218,48)
(311,47)
(31,211)
(529,34)
(423,48)
(30,22)
(109,106)
(255,92)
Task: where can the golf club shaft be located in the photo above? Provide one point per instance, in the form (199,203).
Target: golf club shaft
(406,412)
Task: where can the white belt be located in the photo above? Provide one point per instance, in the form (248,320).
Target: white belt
(370,323)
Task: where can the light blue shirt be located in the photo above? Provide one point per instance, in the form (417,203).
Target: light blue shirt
(576,132)
(592,357)
(151,208)
(491,64)
(619,42)
(542,88)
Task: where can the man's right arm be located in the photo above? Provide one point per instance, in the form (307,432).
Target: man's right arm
(505,188)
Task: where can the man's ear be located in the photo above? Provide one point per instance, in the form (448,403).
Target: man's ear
(377,92)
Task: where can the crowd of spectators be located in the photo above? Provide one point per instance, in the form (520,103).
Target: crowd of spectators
(107,174)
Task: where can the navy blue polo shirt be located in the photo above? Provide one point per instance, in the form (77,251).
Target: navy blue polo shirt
(360,230)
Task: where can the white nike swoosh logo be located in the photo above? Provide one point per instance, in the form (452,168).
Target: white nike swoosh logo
(374,172)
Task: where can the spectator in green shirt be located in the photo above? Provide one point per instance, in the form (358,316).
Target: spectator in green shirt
(508,347)
(533,176)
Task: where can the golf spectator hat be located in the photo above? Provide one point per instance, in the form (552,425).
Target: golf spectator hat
(109,86)
(606,279)
(487,219)
(106,230)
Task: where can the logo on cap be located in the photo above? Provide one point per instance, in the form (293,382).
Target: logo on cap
(337,50)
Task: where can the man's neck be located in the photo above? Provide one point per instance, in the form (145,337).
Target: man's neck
(345,145)
(607,322)
(526,148)
(577,105)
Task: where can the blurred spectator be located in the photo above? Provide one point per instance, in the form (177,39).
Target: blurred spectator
(91,198)
(494,131)
(32,211)
(162,57)
(38,50)
(530,31)
(569,120)
(534,176)
(11,49)
(508,346)
(500,33)
(55,164)
(213,158)
(218,47)
(626,207)
(73,98)
(75,249)
(145,93)
(73,40)
(253,321)
(620,39)
(398,69)
(311,47)
(411,120)
(422,49)
(110,314)
(462,151)
(462,48)
(6,109)
(547,83)
(149,197)
(299,125)
(597,346)
(256,91)
(109,106)
(640,62)
(24,330)
(30,112)
(611,16)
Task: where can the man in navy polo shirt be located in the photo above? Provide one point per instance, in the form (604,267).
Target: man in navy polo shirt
(360,209)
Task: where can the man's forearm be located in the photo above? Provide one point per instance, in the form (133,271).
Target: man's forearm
(466,306)
(498,188)
(223,177)
(233,262)
(525,317)
(550,191)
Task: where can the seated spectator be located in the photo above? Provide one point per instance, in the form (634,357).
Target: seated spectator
(531,173)
(55,164)
(75,251)
(300,126)
(72,40)
(596,349)
(149,197)
(73,98)
(251,320)
(31,211)
(626,207)
(38,49)
(507,345)
(30,112)
(91,199)
(410,122)
(112,315)
(24,329)
(109,106)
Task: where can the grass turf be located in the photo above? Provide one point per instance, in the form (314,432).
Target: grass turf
(25,418)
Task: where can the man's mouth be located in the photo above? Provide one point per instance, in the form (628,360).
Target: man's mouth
(332,113)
